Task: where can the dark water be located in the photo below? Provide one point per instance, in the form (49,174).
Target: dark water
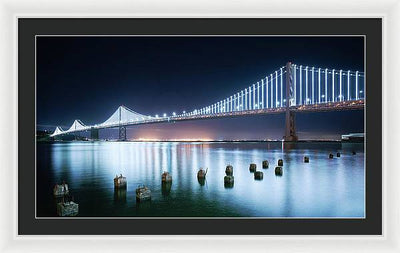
(322,188)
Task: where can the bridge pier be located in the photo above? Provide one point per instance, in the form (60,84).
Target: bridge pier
(77,136)
(58,138)
(290,127)
(94,134)
(122,133)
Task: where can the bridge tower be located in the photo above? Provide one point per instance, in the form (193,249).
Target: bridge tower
(94,134)
(122,133)
(290,127)
(122,129)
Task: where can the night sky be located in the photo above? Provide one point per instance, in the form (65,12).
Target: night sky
(87,78)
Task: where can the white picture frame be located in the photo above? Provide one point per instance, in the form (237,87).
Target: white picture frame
(10,11)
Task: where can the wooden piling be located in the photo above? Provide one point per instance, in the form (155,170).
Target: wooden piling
(229,170)
(202,173)
(119,181)
(278,171)
(258,175)
(166,177)
(253,167)
(143,193)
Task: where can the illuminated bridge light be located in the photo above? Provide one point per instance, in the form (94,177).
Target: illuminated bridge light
(312,85)
(281,85)
(276,87)
(254,95)
(326,85)
(266,87)
(301,80)
(307,85)
(340,85)
(348,85)
(249,105)
(319,85)
(258,93)
(333,85)
(245,99)
(262,93)
(238,99)
(356,85)
(272,92)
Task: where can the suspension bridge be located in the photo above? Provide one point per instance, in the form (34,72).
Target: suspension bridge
(290,89)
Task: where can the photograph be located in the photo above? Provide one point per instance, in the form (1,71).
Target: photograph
(200,127)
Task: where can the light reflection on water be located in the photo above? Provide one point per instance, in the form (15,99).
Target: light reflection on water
(322,188)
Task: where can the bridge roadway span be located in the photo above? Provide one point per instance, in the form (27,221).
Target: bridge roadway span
(322,107)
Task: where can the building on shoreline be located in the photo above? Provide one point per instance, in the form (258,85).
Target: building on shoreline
(357,137)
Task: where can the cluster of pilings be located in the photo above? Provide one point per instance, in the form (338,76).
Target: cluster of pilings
(259,175)
(229,179)
(143,193)
(338,154)
(65,204)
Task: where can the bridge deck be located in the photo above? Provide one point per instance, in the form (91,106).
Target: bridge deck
(322,107)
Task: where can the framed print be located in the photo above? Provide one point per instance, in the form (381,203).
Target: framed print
(285,152)
(160,131)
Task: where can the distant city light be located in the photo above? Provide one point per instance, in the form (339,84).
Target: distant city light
(164,115)
(173,114)
(156,115)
